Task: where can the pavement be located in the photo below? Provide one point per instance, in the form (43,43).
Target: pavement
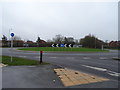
(30,77)
(45,77)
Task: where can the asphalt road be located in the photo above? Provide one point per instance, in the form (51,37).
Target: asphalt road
(100,63)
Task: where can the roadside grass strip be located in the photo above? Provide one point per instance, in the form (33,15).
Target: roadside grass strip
(63,49)
(72,77)
(20,61)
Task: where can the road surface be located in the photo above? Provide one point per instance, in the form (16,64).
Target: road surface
(99,63)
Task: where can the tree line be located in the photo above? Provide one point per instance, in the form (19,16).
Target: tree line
(89,41)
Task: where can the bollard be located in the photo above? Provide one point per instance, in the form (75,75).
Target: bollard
(41,53)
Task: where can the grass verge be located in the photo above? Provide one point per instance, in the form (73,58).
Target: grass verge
(19,61)
(63,49)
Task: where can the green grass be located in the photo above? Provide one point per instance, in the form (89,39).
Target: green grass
(19,61)
(63,49)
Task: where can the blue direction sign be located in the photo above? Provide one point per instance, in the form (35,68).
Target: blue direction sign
(12,34)
(61,45)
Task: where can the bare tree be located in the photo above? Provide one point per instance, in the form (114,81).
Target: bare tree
(58,39)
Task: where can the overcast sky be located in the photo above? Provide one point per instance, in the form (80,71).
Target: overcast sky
(72,19)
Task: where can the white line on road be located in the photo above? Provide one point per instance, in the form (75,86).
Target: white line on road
(103,58)
(96,68)
(113,73)
(104,70)
(52,57)
(86,57)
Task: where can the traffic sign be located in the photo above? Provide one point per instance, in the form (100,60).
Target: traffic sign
(61,45)
(70,45)
(12,34)
(53,45)
(65,45)
(57,45)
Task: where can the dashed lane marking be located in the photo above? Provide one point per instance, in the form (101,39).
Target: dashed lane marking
(52,57)
(103,58)
(86,57)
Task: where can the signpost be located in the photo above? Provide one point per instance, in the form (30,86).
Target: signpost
(41,53)
(12,35)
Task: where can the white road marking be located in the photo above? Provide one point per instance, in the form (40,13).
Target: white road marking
(86,57)
(104,70)
(103,58)
(113,73)
(96,68)
(52,57)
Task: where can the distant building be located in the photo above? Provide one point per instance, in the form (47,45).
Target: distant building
(21,43)
(42,42)
(29,44)
(114,44)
